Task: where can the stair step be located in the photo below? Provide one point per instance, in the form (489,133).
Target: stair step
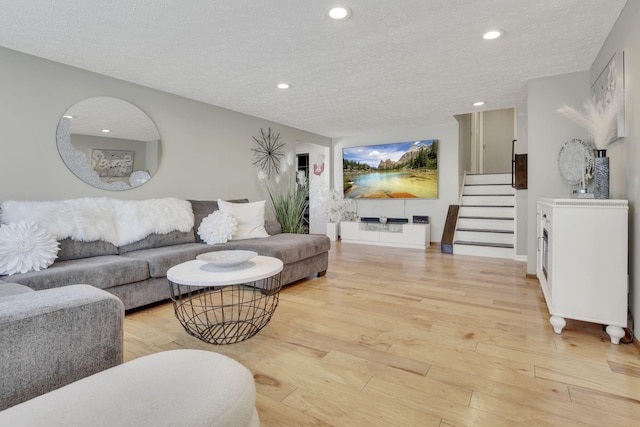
(488,200)
(486,219)
(487,184)
(489,195)
(481,236)
(486,189)
(487,206)
(484,230)
(487,211)
(497,218)
(490,178)
(486,223)
(483,251)
(489,245)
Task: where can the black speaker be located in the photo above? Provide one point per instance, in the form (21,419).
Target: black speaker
(397,220)
(420,219)
(369,219)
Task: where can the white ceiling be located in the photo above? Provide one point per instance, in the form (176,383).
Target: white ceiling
(393,64)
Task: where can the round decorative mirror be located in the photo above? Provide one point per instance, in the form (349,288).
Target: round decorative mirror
(109,143)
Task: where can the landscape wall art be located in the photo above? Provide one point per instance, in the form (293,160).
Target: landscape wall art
(400,170)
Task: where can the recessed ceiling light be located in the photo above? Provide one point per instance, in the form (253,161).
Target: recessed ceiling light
(69,116)
(339,13)
(493,34)
(478,104)
(283,85)
(105,131)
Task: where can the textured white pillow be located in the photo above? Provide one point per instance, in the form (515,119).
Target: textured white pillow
(217,227)
(26,247)
(250,217)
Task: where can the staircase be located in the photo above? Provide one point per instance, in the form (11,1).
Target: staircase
(486,219)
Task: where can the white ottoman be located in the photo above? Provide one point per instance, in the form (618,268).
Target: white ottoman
(171,388)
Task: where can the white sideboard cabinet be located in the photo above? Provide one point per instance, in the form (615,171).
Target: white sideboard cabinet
(392,234)
(581,261)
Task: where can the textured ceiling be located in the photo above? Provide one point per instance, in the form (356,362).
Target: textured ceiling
(392,64)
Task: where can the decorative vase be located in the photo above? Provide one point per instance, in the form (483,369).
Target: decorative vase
(601,175)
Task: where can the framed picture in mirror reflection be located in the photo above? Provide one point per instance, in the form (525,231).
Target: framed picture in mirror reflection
(112,163)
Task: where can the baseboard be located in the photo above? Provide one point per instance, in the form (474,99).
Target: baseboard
(522,258)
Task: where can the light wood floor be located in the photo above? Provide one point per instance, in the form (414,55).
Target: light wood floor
(403,337)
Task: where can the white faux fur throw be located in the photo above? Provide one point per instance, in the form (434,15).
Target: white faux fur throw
(113,220)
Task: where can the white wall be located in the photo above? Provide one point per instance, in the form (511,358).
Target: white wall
(624,154)
(152,156)
(497,135)
(205,149)
(548,131)
(464,147)
(447,136)
(522,196)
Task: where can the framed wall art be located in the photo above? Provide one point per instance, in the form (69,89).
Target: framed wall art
(609,87)
(399,170)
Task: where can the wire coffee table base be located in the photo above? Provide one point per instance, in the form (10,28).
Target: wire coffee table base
(226,314)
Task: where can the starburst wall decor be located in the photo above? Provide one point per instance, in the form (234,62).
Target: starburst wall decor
(268,153)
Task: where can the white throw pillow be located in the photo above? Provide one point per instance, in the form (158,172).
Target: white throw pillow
(26,247)
(250,217)
(217,227)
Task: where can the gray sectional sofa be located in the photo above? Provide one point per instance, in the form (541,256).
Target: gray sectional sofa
(54,337)
(61,354)
(136,273)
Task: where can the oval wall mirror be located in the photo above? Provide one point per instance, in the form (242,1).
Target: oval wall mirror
(109,143)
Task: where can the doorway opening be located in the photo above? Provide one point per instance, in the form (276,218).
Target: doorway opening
(314,159)
(302,161)
(486,140)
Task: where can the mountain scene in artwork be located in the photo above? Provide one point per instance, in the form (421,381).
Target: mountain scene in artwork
(397,170)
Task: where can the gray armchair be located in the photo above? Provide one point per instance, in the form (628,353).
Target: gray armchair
(53,337)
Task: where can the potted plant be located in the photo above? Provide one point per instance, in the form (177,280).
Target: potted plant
(334,207)
(287,190)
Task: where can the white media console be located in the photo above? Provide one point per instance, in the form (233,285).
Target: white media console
(404,235)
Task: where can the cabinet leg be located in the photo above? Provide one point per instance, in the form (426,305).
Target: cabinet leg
(615,332)
(558,324)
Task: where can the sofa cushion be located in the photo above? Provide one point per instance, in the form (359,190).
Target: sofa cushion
(101,271)
(162,259)
(285,246)
(202,209)
(272,226)
(159,240)
(53,337)
(25,246)
(171,388)
(250,217)
(218,227)
(7,289)
(75,249)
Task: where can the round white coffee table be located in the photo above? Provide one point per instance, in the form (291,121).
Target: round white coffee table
(224,305)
